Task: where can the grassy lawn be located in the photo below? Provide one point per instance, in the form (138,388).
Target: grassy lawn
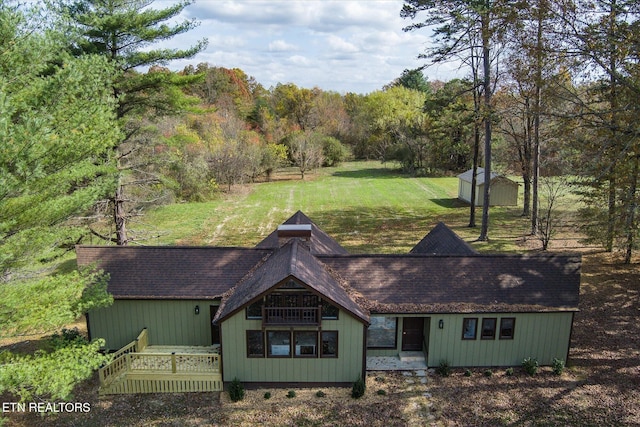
(367,207)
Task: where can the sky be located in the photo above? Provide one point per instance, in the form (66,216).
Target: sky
(336,45)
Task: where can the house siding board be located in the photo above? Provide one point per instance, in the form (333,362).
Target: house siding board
(347,367)
(168,322)
(540,335)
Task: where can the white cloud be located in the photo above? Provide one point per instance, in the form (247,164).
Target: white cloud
(281,46)
(341,45)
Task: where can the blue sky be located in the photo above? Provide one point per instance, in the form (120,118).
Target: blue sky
(339,45)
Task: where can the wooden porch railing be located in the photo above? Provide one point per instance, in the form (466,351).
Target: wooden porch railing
(291,315)
(118,364)
(132,371)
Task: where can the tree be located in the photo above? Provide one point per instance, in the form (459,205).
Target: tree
(57,132)
(122,31)
(602,36)
(553,190)
(461,26)
(306,150)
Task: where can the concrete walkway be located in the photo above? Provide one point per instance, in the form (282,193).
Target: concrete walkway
(404,362)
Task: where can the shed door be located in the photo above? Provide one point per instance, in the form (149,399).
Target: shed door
(412,333)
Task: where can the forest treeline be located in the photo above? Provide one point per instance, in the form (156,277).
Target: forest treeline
(95,128)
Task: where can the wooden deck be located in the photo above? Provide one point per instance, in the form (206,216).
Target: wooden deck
(142,368)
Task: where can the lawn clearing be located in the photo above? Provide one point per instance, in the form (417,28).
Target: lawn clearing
(367,207)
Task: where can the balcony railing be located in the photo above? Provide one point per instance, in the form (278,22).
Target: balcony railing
(291,316)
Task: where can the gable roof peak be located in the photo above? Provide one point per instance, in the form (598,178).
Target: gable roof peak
(442,240)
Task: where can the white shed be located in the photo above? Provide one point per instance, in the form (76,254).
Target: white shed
(504,192)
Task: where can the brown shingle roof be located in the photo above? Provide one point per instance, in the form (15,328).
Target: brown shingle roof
(292,260)
(321,242)
(170,272)
(421,283)
(441,240)
(413,283)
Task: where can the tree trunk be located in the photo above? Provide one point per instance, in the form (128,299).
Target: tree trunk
(537,109)
(486,63)
(474,178)
(120,216)
(631,212)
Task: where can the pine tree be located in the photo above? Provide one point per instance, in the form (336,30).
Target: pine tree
(122,31)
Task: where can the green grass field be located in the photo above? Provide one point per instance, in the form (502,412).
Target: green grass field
(367,207)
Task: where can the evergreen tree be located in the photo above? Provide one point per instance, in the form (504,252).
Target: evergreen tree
(123,31)
(57,132)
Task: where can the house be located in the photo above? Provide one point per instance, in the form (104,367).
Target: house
(298,308)
(504,192)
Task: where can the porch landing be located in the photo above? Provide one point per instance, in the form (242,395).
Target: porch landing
(405,361)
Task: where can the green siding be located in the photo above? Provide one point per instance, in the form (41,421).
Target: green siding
(544,336)
(169,322)
(347,367)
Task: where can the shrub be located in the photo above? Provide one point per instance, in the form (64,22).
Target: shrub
(320,393)
(509,372)
(236,390)
(443,369)
(467,372)
(357,391)
(291,394)
(557,366)
(530,365)
(267,395)
(488,373)
(381,392)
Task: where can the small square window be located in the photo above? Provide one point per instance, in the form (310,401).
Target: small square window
(329,311)
(254,311)
(255,344)
(469,327)
(507,327)
(306,343)
(488,331)
(279,344)
(329,344)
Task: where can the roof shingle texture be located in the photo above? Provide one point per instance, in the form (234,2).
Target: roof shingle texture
(170,272)
(421,283)
(441,240)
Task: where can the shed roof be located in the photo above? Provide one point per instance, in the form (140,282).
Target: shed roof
(441,240)
(468,175)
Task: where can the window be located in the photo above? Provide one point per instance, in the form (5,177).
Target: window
(306,343)
(329,344)
(329,311)
(488,331)
(254,311)
(382,332)
(279,344)
(255,344)
(469,326)
(507,326)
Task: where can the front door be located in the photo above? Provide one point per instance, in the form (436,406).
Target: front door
(412,333)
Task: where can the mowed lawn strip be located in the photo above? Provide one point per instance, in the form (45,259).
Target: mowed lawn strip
(366,206)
